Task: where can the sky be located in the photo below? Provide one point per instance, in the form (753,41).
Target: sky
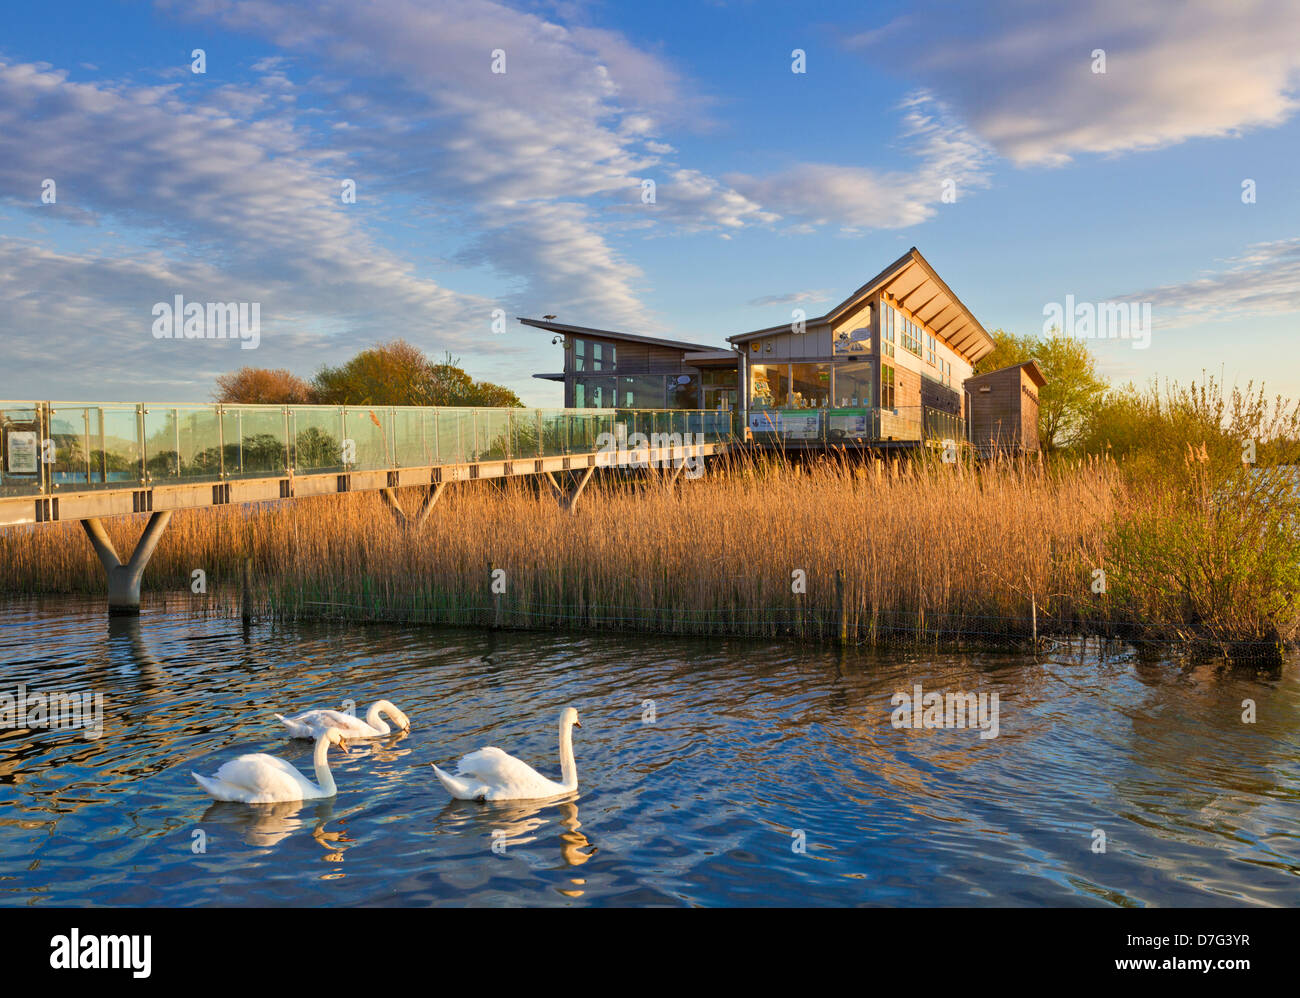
(795,150)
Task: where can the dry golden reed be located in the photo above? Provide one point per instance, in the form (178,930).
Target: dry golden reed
(929,553)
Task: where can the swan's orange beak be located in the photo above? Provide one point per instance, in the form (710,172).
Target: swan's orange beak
(344,746)
(577,724)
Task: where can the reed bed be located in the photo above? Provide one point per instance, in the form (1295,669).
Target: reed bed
(929,553)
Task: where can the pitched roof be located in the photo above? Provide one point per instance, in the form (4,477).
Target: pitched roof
(912,283)
(1035,372)
(610,334)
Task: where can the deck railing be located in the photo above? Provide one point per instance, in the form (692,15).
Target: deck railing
(865,425)
(77,446)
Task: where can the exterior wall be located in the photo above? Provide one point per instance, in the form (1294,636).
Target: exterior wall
(1006,416)
(938,396)
(932,391)
(632,359)
(1029,412)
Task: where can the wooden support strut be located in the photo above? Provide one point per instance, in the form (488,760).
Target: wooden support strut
(431,497)
(124,579)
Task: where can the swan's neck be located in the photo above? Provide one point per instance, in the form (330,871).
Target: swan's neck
(324,778)
(568,766)
(374,720)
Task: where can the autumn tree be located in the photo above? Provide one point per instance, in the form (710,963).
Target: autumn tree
(262,386)
(397,373)
(394,373)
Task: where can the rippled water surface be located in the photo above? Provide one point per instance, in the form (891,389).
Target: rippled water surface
(750,743)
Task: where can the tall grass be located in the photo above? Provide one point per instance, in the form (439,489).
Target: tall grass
(929,552)
(1189,546)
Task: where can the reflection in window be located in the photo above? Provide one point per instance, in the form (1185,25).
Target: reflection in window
(683,391)
(645,391)
(593,393)
(592,355)
(853,385)
(810,386)
(886,386)
(768,385)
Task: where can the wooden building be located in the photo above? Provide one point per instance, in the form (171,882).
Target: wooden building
(604,369)
(887,364)
(890,365)
(1004,409)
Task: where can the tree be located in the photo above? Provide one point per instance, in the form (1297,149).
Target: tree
(394,373)
(262,386)
(1073,392)
(450,385)
(397,373)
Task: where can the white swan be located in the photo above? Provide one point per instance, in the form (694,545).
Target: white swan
(490,774)
(264,779)
(314,723)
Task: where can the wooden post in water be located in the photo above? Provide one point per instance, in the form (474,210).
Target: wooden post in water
(1033,609)
(246,592)
(841,610)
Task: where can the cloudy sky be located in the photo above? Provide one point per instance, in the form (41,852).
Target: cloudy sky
(522,191)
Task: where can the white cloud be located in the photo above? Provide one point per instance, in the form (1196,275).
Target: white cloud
(858,197)
(1021,74)
(793,298)
(1263,281)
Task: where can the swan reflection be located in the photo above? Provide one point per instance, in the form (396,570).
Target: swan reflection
(515,823)
(265,825)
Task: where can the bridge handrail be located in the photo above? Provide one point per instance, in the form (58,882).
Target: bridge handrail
(51,446)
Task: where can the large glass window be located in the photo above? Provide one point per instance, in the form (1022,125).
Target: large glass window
(593,393)
(911,336)
(810,386)
(683,391)
(853,385)
(592,355)
(768,385)
(889,317)
(645,391)
(886,386)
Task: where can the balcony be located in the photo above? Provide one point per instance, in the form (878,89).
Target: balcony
(905,425)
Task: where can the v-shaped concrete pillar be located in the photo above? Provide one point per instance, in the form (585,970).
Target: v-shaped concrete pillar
(124,580)
(569,500)
(415,522)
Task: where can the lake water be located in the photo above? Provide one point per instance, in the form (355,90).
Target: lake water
(753,748)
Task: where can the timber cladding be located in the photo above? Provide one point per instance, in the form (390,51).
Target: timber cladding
(1004,409)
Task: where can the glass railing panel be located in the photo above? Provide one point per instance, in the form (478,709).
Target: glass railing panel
(22,429)
(455,430)
(260,442)
(317,439)
(182,443)
(67,433)
(367,437)
(412,439)
(117,451)
(555,433)
(493,434)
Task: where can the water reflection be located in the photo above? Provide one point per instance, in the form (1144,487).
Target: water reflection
(748,743)
(264,826)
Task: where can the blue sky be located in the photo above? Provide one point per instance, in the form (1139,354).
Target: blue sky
(521,191)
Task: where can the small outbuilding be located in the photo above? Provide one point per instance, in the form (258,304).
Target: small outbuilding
(1004,409)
